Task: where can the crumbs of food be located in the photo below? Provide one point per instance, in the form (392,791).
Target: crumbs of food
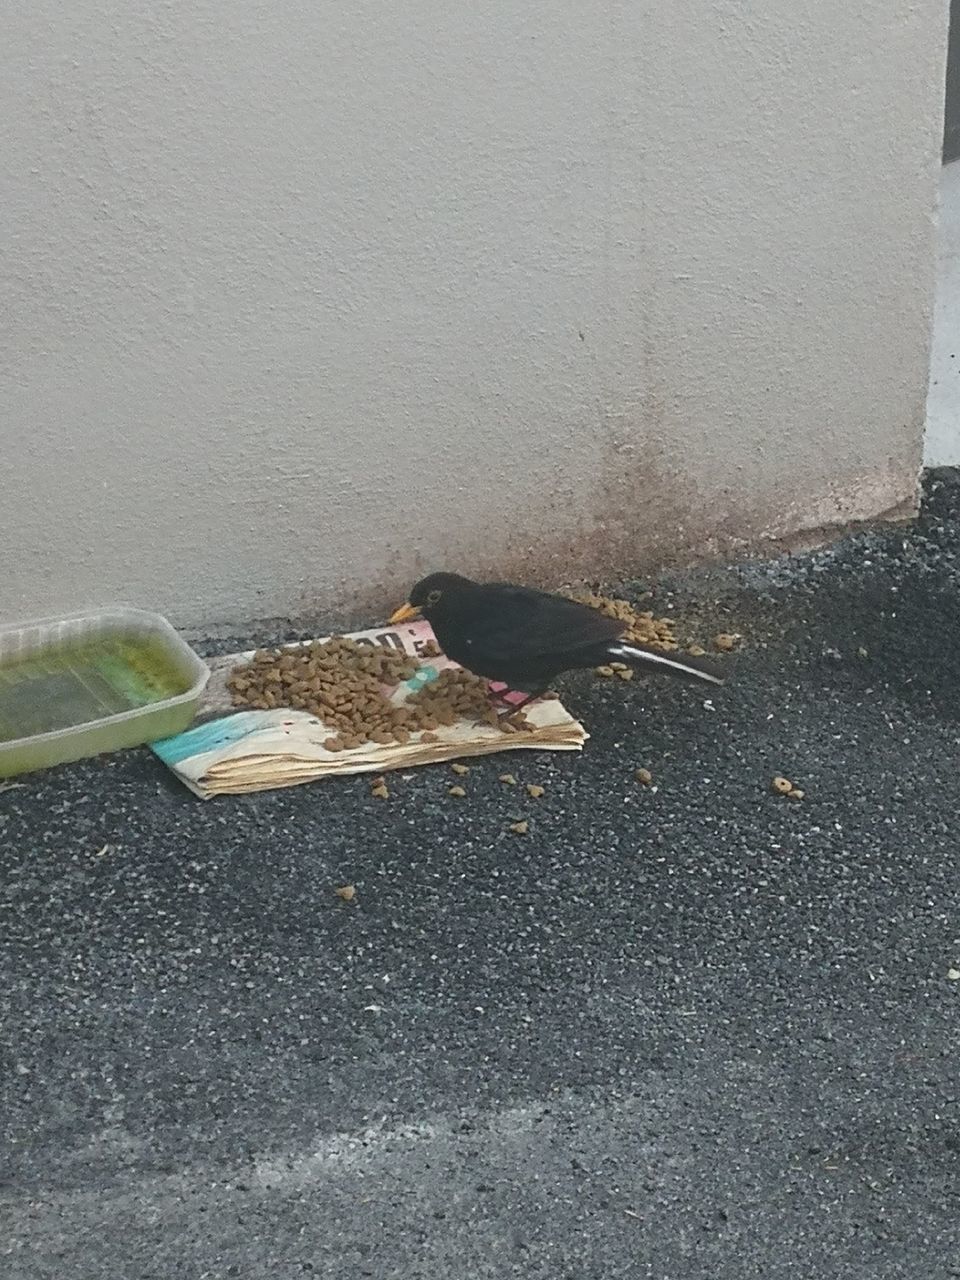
(347,892)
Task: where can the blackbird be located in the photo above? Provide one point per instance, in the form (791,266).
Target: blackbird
(524,638)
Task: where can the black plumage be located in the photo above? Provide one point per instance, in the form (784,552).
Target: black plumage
(525,638)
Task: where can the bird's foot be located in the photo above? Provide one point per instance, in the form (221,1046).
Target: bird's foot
(514,722)
(512,717)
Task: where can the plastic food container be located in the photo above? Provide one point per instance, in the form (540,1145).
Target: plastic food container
(92,682)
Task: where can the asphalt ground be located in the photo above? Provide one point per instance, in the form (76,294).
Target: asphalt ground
(688,1030)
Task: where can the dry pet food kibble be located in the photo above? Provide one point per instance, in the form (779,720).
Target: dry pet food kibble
(460,769)
(726,641)
(644,629)
(534,790)
(519,828)
(644,776)
(456,791)
(454,695)
(348,685)
(509,779)
(347,892)
(641,627)
(782,785)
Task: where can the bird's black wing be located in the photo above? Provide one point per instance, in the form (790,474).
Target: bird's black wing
(515,624)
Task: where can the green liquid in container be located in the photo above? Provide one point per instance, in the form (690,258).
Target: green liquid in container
(92,683)
(78,683)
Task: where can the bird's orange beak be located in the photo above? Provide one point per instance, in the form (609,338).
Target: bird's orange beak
(406,613)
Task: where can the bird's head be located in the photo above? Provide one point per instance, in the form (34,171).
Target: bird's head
(429,595)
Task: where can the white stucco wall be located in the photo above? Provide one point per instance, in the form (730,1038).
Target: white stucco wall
(942,438)
(302,299)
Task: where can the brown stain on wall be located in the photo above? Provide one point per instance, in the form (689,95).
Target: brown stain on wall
(641,517)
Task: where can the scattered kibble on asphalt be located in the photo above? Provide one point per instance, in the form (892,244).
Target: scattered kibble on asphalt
(509,779)
(534,790)
(782,785)
(456,791)
(347,892)
(640,626)
(519,828)
(644,776)
(460,769)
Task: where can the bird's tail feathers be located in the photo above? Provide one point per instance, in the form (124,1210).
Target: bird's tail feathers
(668,662)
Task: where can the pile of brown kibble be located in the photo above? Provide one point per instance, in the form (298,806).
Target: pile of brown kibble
(342,683)
(641,628)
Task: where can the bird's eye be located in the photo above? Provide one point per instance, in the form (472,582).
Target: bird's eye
(433,597)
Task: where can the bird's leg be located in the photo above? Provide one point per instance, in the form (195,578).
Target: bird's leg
(518,706)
